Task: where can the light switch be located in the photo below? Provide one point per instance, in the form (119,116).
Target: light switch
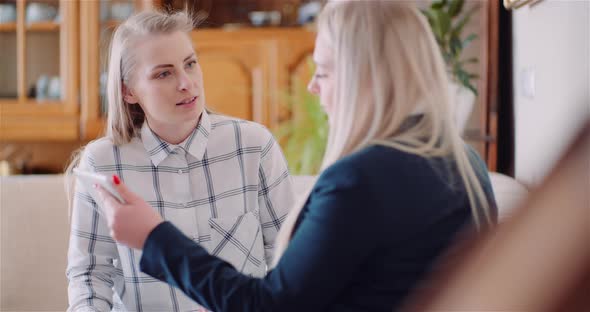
(528,83)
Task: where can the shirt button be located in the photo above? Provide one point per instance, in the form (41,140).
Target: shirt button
(180,171)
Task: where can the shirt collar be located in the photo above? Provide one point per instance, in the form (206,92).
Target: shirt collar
(195,144)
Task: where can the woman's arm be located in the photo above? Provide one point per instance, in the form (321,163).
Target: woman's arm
(337,234)
(90,269)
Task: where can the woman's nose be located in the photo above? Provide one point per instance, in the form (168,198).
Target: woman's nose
(312,87)
(184,82)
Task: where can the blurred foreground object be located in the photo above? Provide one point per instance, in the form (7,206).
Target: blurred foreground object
(539,260)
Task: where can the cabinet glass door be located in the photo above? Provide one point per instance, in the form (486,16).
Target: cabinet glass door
(43,81)
(8,51)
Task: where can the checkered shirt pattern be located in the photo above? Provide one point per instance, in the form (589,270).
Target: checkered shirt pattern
(226,186)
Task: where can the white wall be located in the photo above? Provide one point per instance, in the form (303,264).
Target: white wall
(551,50)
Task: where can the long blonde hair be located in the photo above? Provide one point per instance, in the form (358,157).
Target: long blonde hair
(387,66)
(124,121)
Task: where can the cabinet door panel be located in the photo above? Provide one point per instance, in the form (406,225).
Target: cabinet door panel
(238,77)
(8,61)
(228,85)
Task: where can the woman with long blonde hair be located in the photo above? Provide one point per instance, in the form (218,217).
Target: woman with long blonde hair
(222,181)
(397,185)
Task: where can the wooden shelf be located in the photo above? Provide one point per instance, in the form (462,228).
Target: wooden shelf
(44,26)
(28,101)
(40,128)
(32,107)
(7,27)
(32,120)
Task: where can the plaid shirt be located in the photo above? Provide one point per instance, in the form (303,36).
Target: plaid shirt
(226,186)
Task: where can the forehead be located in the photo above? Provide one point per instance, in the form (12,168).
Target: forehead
(322,53)
(163,48)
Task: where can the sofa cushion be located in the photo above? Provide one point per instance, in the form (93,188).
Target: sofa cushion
(509,194)
(33,243)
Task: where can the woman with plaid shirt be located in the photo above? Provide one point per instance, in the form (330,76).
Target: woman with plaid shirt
(222,181)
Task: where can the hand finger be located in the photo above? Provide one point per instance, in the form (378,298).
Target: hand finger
(109,206)
(127,194)
(107,199)
(102,194)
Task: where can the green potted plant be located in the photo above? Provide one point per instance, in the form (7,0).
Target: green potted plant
(447,20)
(303,137)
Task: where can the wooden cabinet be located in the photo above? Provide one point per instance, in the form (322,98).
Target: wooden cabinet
(238,77)
(247,72)
(39,65)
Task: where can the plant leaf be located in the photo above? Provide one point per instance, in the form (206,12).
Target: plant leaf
(437,5)
(458,27)
(472,88)
(464,79)
(429,15)
(436,28)
(472,60)
(456,48)
(468,40)
(444,21)
(455,7)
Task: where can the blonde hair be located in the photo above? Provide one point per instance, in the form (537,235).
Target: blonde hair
(124,121)
(386,58)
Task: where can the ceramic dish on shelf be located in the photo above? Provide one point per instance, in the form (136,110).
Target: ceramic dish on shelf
(7,13)
(40,12)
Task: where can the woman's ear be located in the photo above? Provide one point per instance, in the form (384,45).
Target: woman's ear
(129,95)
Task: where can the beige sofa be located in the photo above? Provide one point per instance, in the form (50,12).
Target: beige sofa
(34,231)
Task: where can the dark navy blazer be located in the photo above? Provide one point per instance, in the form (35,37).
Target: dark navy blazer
(373,227)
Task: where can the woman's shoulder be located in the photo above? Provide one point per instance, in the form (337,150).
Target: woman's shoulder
(99,147)
(352,168)
(374,156)
(249,131)
(357,178)
(96,151)
(371,166)
(104,150)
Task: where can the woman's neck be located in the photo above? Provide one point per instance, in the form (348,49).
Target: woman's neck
(174,134)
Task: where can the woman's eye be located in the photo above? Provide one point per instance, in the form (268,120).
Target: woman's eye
(191,64)
(163,75)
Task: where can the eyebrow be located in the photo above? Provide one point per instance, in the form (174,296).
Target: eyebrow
(320,63)
(170,65)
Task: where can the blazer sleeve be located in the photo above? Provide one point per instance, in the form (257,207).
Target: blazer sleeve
(338,231)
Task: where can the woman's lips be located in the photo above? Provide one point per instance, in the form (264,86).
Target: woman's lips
(189,102)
